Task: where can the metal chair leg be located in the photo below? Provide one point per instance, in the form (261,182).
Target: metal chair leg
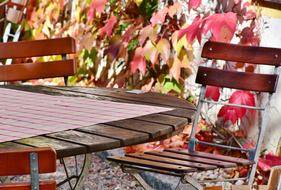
(142,182)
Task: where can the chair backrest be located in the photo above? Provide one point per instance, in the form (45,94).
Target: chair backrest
(237,80)
(37,48)
(33,161)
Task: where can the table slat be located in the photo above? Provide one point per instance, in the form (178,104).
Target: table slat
(63,148)
(94,143)
(127,137)
(153,129)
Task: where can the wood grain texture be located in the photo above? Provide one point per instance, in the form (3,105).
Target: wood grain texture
(274,4)
(152,164)
(27,71)
(180,162)
(239,53)
(10,164)
(94,143)
(209,161)
(196,154)
(237,80)
(153,129)
(43,185)
(127,137)
(176,122)
(63,148)
(37,48)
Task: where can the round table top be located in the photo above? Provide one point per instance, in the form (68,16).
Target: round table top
(114,134)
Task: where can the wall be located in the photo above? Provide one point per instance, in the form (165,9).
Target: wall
(271,37)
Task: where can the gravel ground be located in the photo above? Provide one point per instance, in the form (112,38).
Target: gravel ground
(103,175)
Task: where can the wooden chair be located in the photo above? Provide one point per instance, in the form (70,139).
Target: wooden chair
(37,70)
(180,162)
(33,161)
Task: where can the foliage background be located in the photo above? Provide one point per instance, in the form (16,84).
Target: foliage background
(151,45)
(140,43)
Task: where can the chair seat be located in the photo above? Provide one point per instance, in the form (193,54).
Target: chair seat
(178,161)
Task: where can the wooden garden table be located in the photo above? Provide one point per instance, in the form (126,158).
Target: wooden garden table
(105,136)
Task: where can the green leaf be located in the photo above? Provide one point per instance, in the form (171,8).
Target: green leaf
(147,7)
(122,27)
(132,45)
(172,85)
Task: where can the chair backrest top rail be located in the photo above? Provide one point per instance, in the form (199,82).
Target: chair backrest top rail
(240,53)
(37,48)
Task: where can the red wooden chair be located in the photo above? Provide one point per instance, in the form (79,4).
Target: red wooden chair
(33,161)
(180,162)
(37,70)
(17,162)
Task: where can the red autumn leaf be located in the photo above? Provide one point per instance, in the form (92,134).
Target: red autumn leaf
(138,62)
(221,25)
(228,113)
(269,161)
(193,4)
(212,92)
(233,113)
(264,164)
(192,31)
(96,6)
(243,98)
(128,35)
(108,27)
(159,17)
(249,144)
(248,37)
(147,32)
(243,172)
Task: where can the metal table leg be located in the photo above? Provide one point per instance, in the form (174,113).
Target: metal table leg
(79,177)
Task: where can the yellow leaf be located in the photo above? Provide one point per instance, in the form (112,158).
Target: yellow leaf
(138,2)
(77,14)
(175,70)
(150,52)
(163,47)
